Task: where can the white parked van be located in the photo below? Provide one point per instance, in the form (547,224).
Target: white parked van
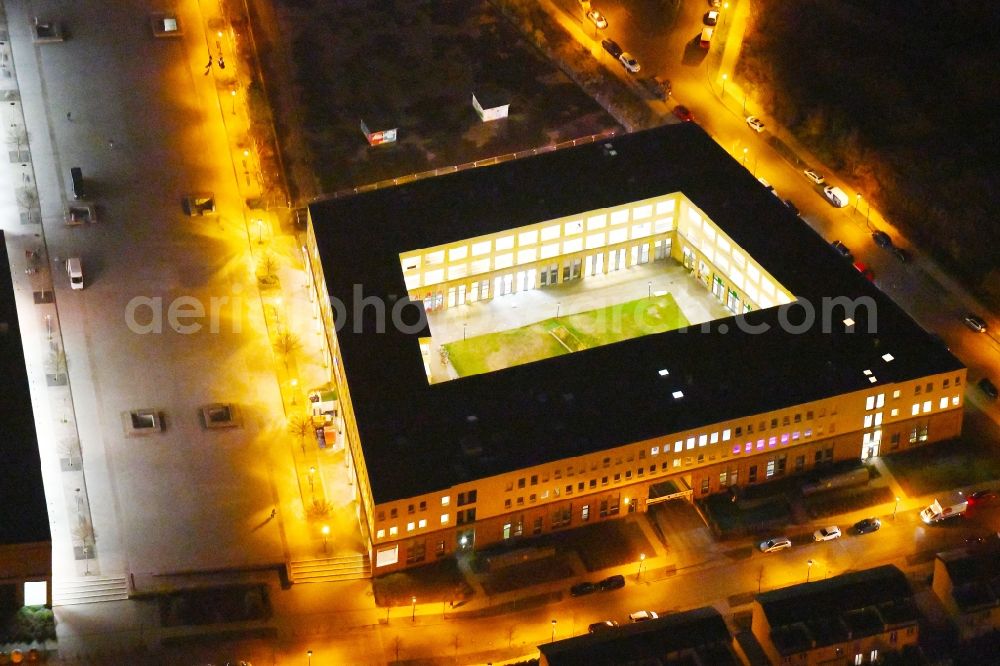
(74,269)
(706,37)
(836,196)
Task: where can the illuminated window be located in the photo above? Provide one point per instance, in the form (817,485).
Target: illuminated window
(458,253)
(393,531)
(868,420)
(726,435)
(445,518)
(736,449)
(504,243)
(702,440)
(690,443)
(655,451)
(927,406)
(380,534)
(446,500)
(880,401)
(870,402)
(678,447)
(771,442)
(878,418)
(943,404)
(642,212)
(422,523)
(410,527)
(749,447)
(714,439)
(916,409)
(619,217)
(954,400)
(895,394)
(894,412)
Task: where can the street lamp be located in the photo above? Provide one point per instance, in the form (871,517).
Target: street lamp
(558,305)
(809,566)
(413,615)
(326,533)
(309,657)
(260,228)
(464,325)
(894,507)
(724,77)
(642,560)
(312,488)
(232,93)
(857,201)
(649,289)
(553,632)
(745,151)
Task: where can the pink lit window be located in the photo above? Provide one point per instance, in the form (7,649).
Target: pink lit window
(749,447)
(784,438)
(760,444)
(736,448)
(771,442)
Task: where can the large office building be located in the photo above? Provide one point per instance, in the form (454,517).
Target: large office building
(25,541)
(546,342)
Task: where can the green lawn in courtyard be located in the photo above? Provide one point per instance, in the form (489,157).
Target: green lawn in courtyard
(556,336)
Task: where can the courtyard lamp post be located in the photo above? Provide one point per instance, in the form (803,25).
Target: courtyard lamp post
(413,614)
(642,560)
(553,638)
(809,566)
(894,507)
(745,151)
(326,533)
(309,657)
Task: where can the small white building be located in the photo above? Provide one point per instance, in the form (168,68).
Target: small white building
(490,104)
(378,136)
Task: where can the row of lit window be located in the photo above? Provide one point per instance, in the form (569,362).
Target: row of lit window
(535,235)
(467,497)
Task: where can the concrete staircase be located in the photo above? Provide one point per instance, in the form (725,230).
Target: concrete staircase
(340,567)
(89,590)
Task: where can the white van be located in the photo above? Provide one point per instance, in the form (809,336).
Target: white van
(836,196)
(74,269)
(706,37)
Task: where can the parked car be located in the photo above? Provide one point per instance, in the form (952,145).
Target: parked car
(611,46)
(976,323)
(902,254)
(629,62)
(583,588)
(642,616)
(827,533)
(988,388)
(597,18)
(612,583)
(602,626)
(841,249)
(775,544)
(711,17)
(836,196)
(814,176)
(755,123)
(867,525)
(682,112)
(882,239)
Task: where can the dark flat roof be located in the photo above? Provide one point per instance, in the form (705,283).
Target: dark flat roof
(835,597)
(701,630)
(419,438)
(23,514)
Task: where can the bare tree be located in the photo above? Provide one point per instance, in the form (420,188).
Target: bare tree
(286,345)
(301,427)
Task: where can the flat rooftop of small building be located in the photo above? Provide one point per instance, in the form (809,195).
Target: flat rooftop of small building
(24,517)
(414,434)
(701,631)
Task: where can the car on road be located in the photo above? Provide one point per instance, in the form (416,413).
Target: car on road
(597,18)
(827,533)
(864,270)
(612,583)
(611,46)
(629,62)
(583,588)
(602,626)
(775,544)
(683,113)
(841,249)
(814,176)
(836,196)
(642,616)
(988,388)
(902,254)
(755,123)
(882,239)
(867,525)
(975,322)
(981,496)
(74,269)
(711,17)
